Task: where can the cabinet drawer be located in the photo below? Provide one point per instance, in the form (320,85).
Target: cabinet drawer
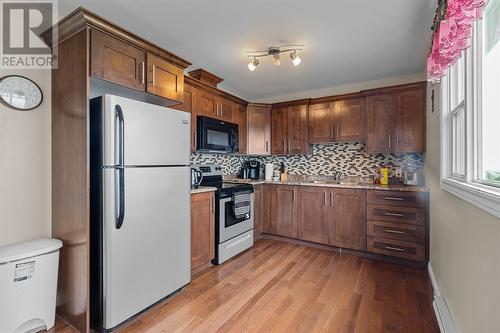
(396,214)
(395,248)
(396,198)
(397,231)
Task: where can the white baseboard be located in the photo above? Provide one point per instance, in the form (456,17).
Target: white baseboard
(441,311)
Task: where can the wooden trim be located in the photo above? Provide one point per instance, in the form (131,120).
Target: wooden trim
(210,89)
(82,17)
(291,103)
(397,88)
(197,271)
(206,77)
(333,98)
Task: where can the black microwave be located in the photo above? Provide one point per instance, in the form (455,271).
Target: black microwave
(213,135)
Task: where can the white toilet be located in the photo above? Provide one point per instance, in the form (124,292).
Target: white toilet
(28,285)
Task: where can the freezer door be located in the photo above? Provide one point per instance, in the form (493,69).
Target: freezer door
(149,256)
(151,134)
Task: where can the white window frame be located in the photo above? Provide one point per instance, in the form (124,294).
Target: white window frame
(467,187)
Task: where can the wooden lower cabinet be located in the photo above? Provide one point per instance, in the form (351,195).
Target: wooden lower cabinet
(285,217)
(202,229)
(258,216)
(314,211)
(348,221)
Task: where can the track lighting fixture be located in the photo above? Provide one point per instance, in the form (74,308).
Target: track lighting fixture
(275,52)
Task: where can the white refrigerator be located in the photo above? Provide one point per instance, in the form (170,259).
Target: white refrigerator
(140,207)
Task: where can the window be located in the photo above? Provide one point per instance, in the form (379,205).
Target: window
(470,122)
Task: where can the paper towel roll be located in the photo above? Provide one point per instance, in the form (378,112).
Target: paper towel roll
(269,171)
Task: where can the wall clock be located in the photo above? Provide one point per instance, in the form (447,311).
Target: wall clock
(20,93)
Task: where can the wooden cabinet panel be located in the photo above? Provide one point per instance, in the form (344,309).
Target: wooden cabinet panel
(226,110)
(410,121)
(207,104)
(397,231)
(165,79)
(395,248)
(286,211)
(380,113)
(350,120)
(279,139)
(259,129)
(313,223)
(117,61)
(321,123)
(297,129)
(241,120)
(189,105)
(202,229)
(258,216)
(409,215)
(348,222)
(270,209)
(396,198)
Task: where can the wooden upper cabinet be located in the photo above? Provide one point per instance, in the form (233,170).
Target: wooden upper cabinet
(202,228)
(241,120)
(348,219)
(164,78)
(410,121)
(313,222)
(226,110)
(189,105)
(297,128)
(117,61)
(279,137)
(286,211)
(321,123)
(380,113)
(259,129)
(207,104)
(350,120)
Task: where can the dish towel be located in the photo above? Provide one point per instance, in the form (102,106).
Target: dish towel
(241,205)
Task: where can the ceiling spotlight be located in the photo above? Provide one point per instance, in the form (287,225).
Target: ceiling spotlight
(275,52)
(295,58)
(253,65)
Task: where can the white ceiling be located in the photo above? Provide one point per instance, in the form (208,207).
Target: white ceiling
(346,41)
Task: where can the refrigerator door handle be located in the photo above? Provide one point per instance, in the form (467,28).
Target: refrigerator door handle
(120,171)
(120,199)
(119,136)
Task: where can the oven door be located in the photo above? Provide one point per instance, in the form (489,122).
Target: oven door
(229,226)
(215,135)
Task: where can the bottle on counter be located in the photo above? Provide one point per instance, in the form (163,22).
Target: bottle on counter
(384,175)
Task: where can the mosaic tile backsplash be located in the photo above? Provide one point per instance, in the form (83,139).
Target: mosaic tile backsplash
(348,158)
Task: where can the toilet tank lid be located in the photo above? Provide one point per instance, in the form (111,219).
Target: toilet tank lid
(32,248)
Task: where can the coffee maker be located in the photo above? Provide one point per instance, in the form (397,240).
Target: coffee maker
(253,169)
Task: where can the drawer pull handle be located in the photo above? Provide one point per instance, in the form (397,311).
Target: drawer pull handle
(394,248)
(394,214)
(394,231)
(394,198)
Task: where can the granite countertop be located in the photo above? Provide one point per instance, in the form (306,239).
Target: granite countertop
(203,189)
(305,182)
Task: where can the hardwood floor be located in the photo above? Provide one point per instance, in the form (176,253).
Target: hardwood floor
(282,287)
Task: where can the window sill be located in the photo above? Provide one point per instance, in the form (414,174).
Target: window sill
(481,196)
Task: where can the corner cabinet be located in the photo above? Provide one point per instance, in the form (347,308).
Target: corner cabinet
(259,129)
(202,229)
(396,120)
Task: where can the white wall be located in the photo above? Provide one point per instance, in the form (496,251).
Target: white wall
(464,249)
(25,167)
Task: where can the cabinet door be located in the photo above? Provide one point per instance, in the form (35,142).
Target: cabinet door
(189,105)
(381,113)
(279,140)
(207,104)
(117,61)
(348,219)
(313,205)
(258,215)
(350,120)
(410,124)
(259,130)
(202,229)
(286,211)
(270,209)
(226,110)
(297,124)
(321,123)
(165,79)
(241,120)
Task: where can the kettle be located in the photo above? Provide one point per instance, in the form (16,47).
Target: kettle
(196,177)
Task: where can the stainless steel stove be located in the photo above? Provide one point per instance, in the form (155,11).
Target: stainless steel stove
(233,235)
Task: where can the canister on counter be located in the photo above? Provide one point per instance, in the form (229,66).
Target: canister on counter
(384,175)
